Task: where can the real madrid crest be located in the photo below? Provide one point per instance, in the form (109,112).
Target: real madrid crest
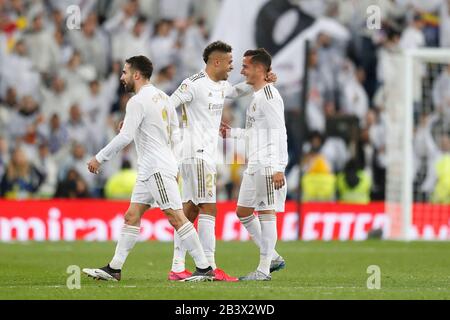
(183,87)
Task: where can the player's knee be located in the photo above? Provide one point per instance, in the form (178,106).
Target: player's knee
(209,208)
(131,218)
(175,218)
(191,212)
(243,212)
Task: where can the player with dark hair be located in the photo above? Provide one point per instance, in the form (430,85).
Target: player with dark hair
(263,185)
(152,123)
(202,97)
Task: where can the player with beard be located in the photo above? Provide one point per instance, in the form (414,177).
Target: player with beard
(152,123)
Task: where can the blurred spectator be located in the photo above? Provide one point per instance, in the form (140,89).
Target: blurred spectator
(55,133)
(24,118)
(194,41)
(354,99)
(175,9)
(124,19)
(376,131)
(390,44)
(72,186)
(135,42)
(353,184)
(120,185)
(57,100)
(21,178)
(77,160)
(96,106)
(47,166)
(18,72)
(319,182)
(78,128)
(163,49)
(320,94)
(77,75)
(441,167)
(92,44)
(7,107)
(165,79)
(4,155)
(441,95)
(57,21)
(444,28)
(413,37)
(42,46)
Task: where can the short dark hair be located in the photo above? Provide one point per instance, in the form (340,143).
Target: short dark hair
(215,46)
(141,64)
(261,56)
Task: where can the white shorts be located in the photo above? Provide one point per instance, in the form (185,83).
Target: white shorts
(160,190)
(257,191)
(198,181)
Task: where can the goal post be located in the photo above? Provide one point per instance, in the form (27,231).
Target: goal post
(408,100)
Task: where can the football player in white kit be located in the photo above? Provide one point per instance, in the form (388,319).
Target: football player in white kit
(152,123)
(201,98)
(263,185)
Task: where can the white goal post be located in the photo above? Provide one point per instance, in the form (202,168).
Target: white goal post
(403,91)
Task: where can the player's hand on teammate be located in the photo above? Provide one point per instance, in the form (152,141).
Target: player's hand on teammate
(93,165)
(224,130)
(271,77)
(278,180)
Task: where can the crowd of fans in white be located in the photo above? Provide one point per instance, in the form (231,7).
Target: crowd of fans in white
(61,101)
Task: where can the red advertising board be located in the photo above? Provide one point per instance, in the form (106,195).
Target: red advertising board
(101,220)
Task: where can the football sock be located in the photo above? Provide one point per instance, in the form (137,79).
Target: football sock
(268,241)
(253,227)
(127,240)
(206,233)
(190,241)
(179,254)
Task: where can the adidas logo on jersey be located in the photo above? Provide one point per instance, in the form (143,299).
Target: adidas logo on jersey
(262,204)
(210,94)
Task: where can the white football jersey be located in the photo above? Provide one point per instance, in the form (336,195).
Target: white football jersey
(202,101)
(265,131)
(152,122)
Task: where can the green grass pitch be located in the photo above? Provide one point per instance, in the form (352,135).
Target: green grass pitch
(315,270)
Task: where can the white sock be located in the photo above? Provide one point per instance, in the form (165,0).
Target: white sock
(179,254)
(253,227)
(190,241)
(127,240)
(207,235)
(268,241)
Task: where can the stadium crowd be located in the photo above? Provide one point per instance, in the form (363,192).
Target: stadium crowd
(61,101)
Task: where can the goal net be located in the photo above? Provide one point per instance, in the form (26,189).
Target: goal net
(417,115)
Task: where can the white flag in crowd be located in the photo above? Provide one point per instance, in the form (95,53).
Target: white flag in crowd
(277,25)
